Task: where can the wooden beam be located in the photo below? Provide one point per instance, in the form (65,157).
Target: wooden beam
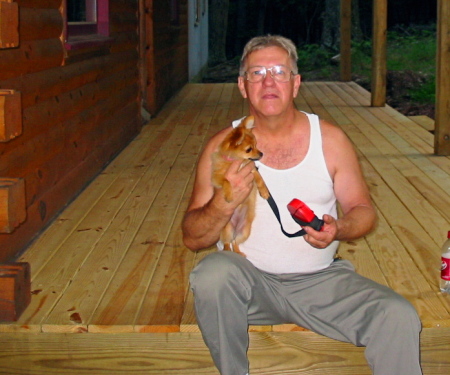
(15,290)
(9,24)
(346,40)
(12,204)
(10,115)
(442,124)
(379,53)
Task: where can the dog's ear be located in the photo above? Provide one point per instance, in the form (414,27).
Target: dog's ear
(248,122)
(237,136)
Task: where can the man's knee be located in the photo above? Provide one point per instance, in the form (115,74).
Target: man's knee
(400,312)
(216,271)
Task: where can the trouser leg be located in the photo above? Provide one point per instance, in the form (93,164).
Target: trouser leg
(227,287)
(339,303)
(335,302)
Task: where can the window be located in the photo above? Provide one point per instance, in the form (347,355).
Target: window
(82,16)
(87,23)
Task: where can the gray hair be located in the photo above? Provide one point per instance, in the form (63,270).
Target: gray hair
(261,42)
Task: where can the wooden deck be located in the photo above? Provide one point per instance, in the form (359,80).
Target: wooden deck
(113,262)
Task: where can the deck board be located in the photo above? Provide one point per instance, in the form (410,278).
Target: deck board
(113,261)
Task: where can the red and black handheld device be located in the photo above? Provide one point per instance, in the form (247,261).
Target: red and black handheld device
(303,215)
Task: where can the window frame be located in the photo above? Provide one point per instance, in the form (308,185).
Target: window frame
(87,34)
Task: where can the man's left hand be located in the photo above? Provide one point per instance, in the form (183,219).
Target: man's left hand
(321,239)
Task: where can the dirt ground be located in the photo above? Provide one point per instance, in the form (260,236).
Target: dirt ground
(398,84)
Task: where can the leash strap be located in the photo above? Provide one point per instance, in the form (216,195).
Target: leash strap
(274,208)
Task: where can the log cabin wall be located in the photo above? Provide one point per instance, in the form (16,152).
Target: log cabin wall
(167,51)
(79,108)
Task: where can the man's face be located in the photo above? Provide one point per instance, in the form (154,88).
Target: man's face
(269,97)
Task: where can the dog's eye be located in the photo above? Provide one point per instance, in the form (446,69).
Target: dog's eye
(250,149)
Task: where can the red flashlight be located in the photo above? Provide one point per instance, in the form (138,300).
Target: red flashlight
(303,215)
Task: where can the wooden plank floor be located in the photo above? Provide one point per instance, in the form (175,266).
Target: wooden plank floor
(113,261)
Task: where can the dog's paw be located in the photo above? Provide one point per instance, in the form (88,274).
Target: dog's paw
(264,192)
(237,250)
(227,246)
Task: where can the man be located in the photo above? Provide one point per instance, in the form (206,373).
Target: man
(292,280)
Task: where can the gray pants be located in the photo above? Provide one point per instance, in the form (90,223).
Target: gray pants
(230,293)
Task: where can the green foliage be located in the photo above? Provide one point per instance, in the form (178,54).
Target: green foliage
(362,58)
(425,93)
(410,49)
(414,49)
(312,57)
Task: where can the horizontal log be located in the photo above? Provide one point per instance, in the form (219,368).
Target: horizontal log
(43,169)
(40,86)
(39,119)
(39,24)
(47,121)
(41,4)
(125,42)
(78,144)
(120,23)
(121,7)
(30,57)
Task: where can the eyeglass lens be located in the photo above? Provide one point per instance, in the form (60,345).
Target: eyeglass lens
(278,72)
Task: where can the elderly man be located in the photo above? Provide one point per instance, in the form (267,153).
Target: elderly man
(291,280)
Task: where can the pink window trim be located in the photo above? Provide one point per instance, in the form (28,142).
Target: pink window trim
(103,17)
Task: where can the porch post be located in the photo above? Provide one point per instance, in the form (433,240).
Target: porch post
(442,117)
(379,53)
(346,41)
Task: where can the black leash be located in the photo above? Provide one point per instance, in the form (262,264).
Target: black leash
(274,208)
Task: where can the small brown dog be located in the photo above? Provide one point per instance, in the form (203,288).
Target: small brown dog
(239,144)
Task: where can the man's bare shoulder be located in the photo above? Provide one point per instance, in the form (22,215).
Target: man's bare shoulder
(337,148)
(333,135)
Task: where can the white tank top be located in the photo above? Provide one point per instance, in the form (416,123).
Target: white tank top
(267,247)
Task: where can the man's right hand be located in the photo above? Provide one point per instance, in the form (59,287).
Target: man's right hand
(240,180)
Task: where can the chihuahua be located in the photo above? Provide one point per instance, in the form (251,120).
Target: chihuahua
(239,144)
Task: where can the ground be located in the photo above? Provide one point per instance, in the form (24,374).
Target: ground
(398,82)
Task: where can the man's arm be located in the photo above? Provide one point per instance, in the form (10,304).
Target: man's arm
(359,216)
(208,211)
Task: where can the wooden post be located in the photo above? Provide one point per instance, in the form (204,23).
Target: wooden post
(12,204)
(10,115)
(9,24)
(346,40)
(442,117)
(379,53)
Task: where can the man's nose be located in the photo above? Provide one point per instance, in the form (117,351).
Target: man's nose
(268,79)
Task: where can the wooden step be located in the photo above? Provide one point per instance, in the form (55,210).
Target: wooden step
(270,353)
(424,121)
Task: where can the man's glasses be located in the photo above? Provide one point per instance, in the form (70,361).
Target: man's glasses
(279,73)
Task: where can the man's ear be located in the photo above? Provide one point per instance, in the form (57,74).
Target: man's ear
(241,85)
(297,83)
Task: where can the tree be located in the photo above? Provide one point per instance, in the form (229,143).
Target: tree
(331,21)
(218,25)
(262,6)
